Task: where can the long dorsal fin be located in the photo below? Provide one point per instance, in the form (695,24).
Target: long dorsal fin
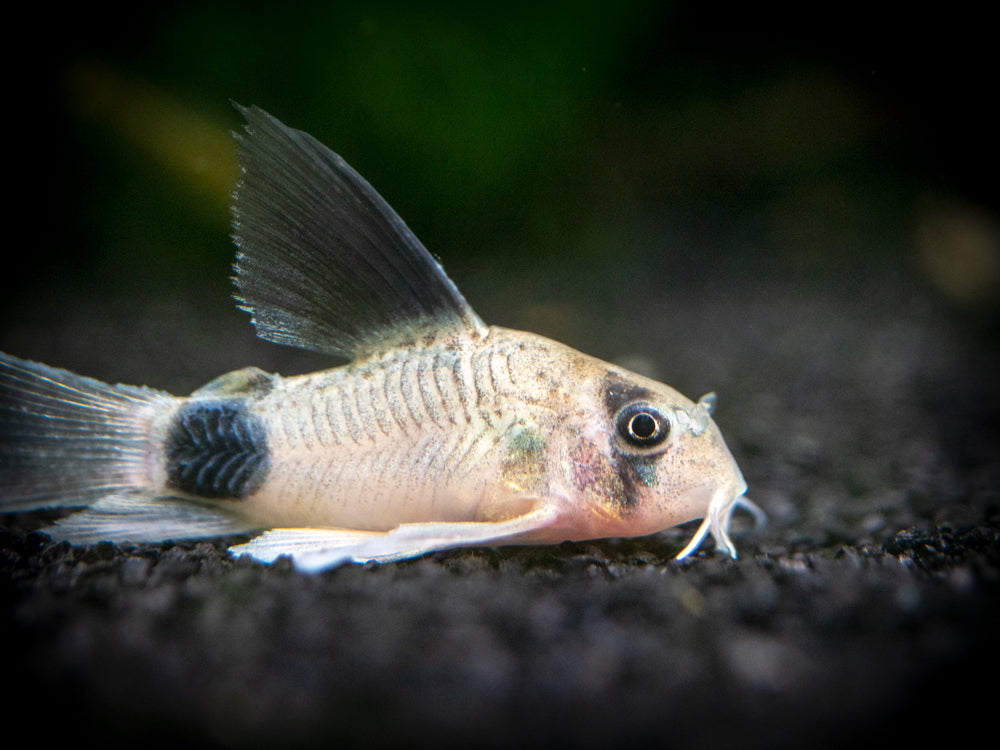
(323,262)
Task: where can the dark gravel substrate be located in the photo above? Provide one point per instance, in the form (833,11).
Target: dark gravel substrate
(860,410)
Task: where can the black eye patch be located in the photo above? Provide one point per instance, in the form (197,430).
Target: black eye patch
(618,393)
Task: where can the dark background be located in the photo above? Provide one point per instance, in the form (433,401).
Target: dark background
(795,208)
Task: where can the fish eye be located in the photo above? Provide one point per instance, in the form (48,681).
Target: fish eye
(642,425)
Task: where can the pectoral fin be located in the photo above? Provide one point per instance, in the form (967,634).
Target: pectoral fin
(313,550)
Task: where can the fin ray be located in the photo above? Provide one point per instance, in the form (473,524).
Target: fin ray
(143,517)
(324,263)
(66,439)
(313,550)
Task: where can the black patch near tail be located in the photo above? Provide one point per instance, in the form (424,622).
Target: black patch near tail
(217,449)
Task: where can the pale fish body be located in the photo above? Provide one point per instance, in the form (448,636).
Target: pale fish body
(440,432)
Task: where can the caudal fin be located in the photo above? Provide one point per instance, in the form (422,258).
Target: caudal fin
(68,440)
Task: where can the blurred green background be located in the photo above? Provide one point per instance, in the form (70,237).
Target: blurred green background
(549,154)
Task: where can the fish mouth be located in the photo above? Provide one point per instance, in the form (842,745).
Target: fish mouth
(720,513)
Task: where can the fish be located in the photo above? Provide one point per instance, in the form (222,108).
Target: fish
(439,432)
